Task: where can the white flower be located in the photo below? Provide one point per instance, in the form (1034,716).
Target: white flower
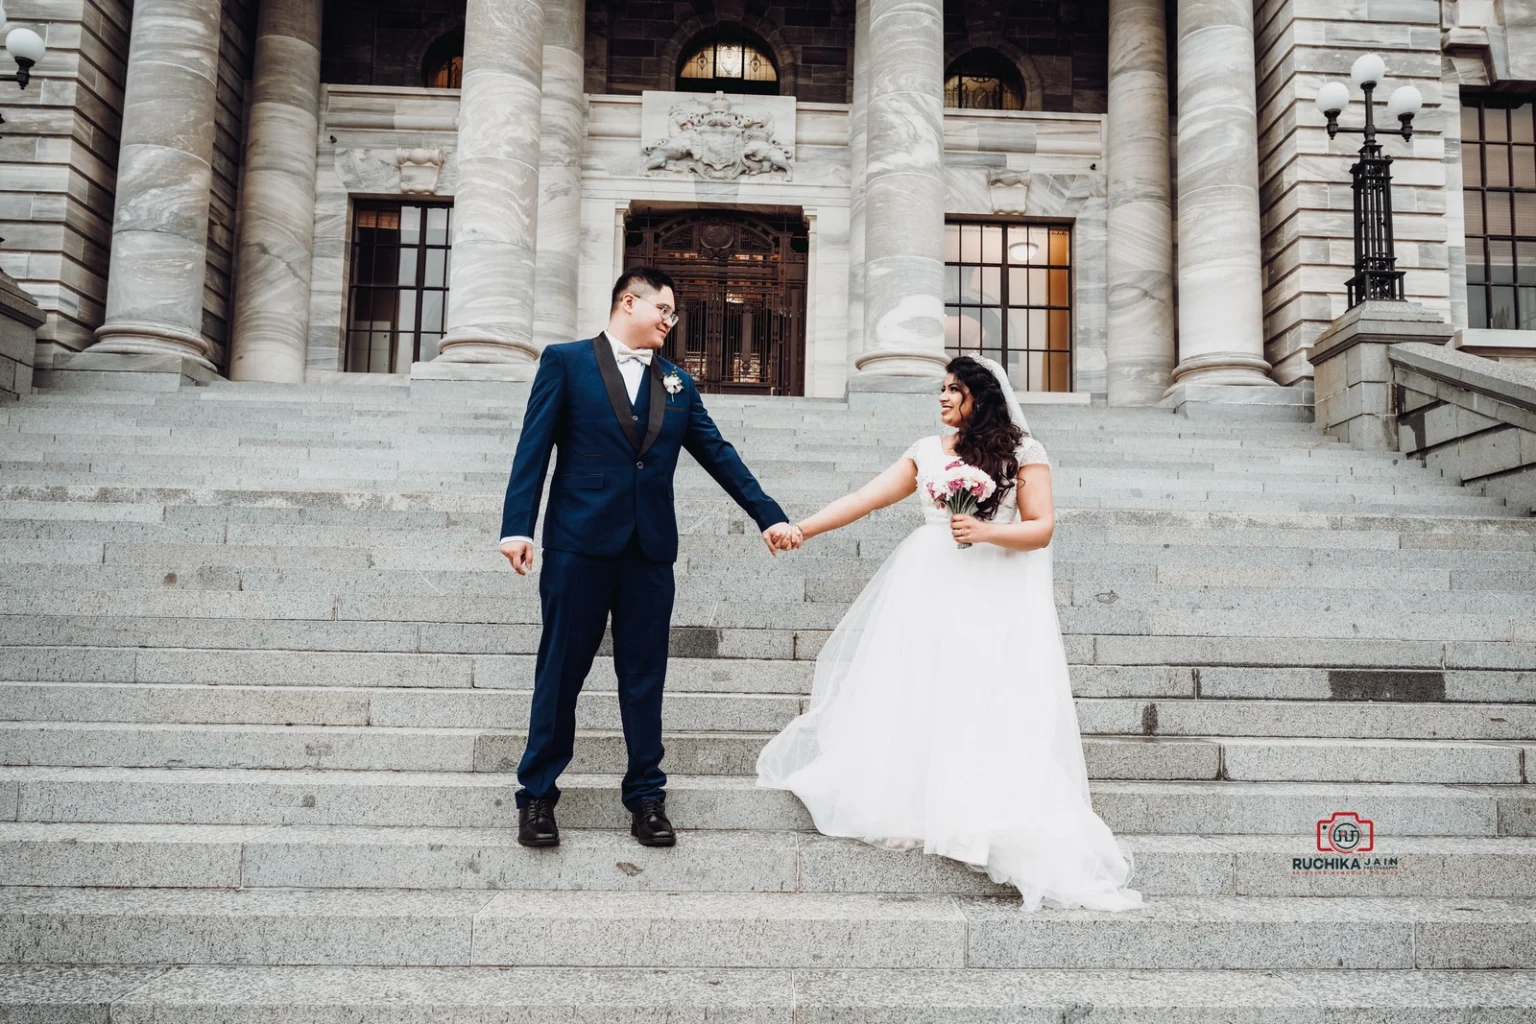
(672,382)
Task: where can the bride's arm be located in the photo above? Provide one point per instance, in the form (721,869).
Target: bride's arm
(897,482)
(1037,516)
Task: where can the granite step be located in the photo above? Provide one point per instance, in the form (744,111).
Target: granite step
(788,930)
(482,995)
(711,642)
(1239,612)
(791,580)
(724,710)
(233,796)
(486,748)
(342,857)
(360,669)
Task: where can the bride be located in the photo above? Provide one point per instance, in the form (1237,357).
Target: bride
(941,714)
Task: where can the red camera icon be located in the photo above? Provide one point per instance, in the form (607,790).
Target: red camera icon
(1346,832)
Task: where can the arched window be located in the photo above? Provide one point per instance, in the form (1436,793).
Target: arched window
(443,65)
(984,80)
(728,63)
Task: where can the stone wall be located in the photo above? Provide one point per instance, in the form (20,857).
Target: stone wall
(369,125)
(58,160)
(1305,181)
(1061,49)
(1472,419)
(1041,164)
(811,42)
(367,43)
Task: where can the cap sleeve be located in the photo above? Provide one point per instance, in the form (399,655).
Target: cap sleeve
(911,452)
(1032,453)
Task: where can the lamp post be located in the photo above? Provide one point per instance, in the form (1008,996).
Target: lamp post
(1376,273)
(26,49)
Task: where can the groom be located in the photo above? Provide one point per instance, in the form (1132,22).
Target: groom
(618,413)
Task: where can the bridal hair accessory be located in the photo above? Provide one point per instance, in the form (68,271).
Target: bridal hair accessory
(961,488)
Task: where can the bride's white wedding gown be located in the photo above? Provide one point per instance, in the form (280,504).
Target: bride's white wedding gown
(942,715)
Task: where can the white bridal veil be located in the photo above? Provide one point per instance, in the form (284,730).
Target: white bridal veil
(1014,409)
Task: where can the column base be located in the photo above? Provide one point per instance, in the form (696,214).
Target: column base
(1225,369)
(476,345)
(93,370)
(1199,400)
(1353,375)
(126,337)
(891,363)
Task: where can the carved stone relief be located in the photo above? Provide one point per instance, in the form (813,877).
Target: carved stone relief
(401,170)
(1009,188)
(419,170)
(716,140)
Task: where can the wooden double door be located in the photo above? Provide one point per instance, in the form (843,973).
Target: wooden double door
(741,282)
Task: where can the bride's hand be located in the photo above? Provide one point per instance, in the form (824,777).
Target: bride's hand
(969,530)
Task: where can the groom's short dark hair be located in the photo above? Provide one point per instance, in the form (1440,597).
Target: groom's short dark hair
(641,281)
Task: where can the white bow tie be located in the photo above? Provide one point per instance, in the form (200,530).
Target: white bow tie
(623,354)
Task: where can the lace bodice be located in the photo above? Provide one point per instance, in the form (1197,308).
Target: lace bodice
(931,458)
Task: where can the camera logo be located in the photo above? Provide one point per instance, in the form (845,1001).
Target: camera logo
(1346,832)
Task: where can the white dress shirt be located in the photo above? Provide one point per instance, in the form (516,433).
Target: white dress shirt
(633,364)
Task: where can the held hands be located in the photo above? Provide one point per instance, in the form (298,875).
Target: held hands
(520,554)
(969,530)
(783,537)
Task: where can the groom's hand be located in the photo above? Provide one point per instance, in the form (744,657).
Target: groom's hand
(520,554)
(777,537)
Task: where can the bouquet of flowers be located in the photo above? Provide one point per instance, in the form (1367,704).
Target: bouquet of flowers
(961,489)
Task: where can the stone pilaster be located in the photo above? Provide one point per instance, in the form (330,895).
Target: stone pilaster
(564,118)
(277,210)
(858,156)
(496,205)
(1140,241)
(904,192)
(164,172)
(1221,282)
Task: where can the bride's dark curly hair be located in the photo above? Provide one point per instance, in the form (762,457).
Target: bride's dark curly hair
(988,438)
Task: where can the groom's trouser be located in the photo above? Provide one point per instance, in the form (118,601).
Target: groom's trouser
(578,593)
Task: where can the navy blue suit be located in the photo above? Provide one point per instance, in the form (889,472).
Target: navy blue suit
(610,538)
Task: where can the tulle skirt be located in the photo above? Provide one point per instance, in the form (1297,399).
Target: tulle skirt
(942,717)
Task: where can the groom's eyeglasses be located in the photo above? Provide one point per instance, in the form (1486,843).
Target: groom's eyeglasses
(668,314)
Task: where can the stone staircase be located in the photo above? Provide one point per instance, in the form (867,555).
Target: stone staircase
(263,678)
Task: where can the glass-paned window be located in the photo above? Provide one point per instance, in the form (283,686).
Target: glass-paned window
(1008,296)
(447,75)
(1498,161)
(728,65)
(984,80)
(398,294)
(443,65)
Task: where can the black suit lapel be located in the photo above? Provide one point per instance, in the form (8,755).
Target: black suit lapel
(658,409)
(618,394)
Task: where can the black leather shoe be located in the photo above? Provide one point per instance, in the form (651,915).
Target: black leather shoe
(650,824)
(536,824)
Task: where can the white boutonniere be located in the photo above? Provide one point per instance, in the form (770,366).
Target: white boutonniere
(672,382)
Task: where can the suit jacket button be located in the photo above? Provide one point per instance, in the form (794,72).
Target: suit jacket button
(639,465)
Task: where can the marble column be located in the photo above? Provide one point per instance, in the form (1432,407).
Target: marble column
(496,205)
(1221,293)
(858,155)
(564,118)
(164,174)
(277,204)
(1140,241)
(904,193)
